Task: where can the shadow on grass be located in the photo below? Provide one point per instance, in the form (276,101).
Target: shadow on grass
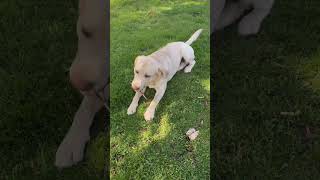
(256,79)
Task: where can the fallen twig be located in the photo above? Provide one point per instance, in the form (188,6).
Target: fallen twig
(290,113)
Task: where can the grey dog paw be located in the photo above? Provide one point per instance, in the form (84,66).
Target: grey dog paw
(249,26)
(70,151)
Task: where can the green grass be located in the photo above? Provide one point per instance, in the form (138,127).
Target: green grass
(159,150)
(38,42)
(256,79)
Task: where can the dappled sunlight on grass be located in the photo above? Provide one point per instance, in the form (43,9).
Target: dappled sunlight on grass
(206,84)
(164,128)
(311,70)
(315,82)
(147,136)
(194,3)
(165,8)
(142,107)
(96,152)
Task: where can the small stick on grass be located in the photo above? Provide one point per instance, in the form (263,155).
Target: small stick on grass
(290,113)
(144,96)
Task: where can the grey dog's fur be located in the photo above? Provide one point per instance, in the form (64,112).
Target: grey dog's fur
(89,65)
(226,12)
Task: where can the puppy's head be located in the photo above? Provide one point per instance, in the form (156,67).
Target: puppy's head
(146,71)
(89,68)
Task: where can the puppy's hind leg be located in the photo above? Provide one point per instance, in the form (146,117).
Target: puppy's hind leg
(189,66)
(182,65)
(188,56)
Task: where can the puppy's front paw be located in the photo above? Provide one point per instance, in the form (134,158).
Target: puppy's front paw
(189,67)
(71,150)
(149,115)
(132,109)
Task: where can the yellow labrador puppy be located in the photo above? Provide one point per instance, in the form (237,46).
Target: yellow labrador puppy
(156,69)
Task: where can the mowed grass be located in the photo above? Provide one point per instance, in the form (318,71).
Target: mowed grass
(258,78)
(37,45)
(159,150)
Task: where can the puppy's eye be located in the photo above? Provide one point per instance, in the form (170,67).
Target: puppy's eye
(137,72)
(86,33)
(146,76)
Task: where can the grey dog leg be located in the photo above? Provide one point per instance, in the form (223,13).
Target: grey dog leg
(250,24)
(216,10)
(71,150)
(231,12)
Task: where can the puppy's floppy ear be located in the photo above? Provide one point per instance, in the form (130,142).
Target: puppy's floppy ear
(136,60)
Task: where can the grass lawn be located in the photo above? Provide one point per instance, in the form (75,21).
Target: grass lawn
(159,150)
(256,79)
(38,42)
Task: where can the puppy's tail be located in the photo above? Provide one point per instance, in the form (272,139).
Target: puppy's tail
(194,37)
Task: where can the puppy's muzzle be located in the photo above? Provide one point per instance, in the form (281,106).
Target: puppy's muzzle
(79,82)
(137,85)
(135,88)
